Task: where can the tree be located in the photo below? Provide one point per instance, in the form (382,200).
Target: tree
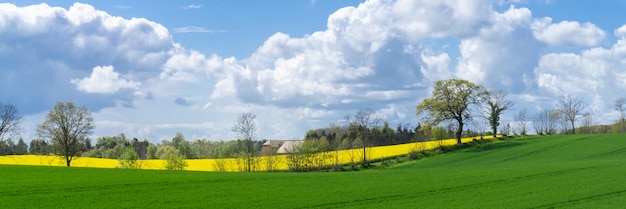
(438,133)
(520,121)
(364,121)
(451,100)
(587,121)
(571,107)
(21,147)
(620,105)
(493,104)
(129,159)
(67,126)
(9,121)
(174,160)
(245,129)
(39,147)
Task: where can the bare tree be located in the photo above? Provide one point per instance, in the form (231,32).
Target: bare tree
(493,103)
(553,116)
(538,123)
(586,123)
(10,124)
(364,121)
(68,126)
(620,105)
(571,108)
(481,126)
(520,121)
(245,129)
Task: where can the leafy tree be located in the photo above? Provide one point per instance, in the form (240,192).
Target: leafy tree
(9,121)
(21,147)
(6,147)
(39,147)
(438,133)
(151,151)
(245,129)
(493,104)
(571,108)
(129,159)
(67,126)
(451,100)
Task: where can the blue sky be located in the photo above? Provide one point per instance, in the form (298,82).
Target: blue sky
(149,69)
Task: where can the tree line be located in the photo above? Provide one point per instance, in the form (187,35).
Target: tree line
(457,108)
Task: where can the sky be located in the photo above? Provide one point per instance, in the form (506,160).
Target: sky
(150,69)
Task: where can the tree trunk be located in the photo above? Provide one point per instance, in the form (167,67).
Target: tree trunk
(459,132)
(68,160)
(364,157)
(573,129)
(495,131)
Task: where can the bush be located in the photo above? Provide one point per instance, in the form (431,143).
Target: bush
(129,159)
(175,160)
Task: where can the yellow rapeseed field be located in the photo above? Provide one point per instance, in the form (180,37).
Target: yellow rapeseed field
(232,164)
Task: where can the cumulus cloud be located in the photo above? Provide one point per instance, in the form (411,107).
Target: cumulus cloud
(363,53)
(568,33)
(43,48)
(103,80)
(380,54)
(501,55)
(594,74)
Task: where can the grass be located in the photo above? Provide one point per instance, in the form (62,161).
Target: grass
(562,171)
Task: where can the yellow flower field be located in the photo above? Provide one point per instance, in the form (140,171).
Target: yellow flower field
(232,164)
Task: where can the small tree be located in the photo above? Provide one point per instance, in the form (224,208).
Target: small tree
(129,159)
(620,105)
(174,160)
(364,121)
(493,104)
(67,126)
(438,133)
(245,128)
(571,108)
(520,121)
(586,122)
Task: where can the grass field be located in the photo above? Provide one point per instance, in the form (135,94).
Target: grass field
(563,171)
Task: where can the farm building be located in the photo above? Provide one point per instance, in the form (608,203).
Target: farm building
(279,147)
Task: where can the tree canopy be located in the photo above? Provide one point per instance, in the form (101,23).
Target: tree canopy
(451,100)
(68,126)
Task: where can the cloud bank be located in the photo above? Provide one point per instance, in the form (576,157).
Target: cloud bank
(380,54)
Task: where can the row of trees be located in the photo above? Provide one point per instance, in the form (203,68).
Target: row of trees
(463,102)
(454,106)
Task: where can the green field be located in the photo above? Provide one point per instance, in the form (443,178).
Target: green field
(563,171)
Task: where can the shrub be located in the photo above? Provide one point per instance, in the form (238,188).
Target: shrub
(129,159)
(175,160)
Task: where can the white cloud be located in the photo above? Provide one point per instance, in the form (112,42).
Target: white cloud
(382,54)
(568,33)
(103,80)
(193,6)
(594,74)
(44,47)
(501,55)
(192,29)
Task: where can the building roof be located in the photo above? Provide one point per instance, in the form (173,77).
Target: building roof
(289,146)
